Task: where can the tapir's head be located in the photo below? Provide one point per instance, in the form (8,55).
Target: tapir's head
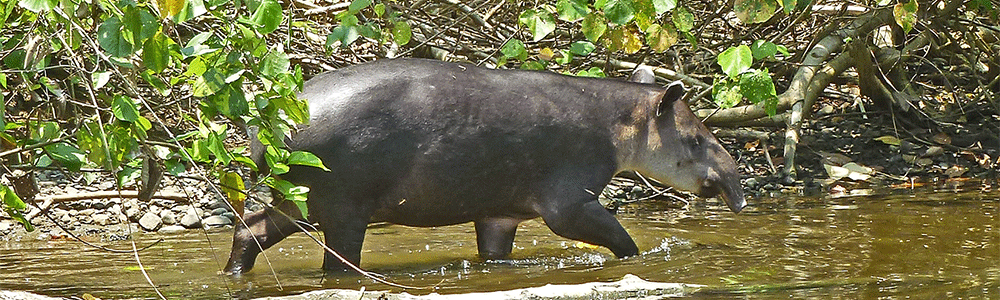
(679,151)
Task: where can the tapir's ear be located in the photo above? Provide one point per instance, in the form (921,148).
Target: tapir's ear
(675,92)
(643,74)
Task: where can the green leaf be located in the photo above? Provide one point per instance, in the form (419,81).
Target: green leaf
(156,53)
(100,79)
(581,48)
(38,6)
(757,87)
(905,15)
(619,11)
(762,49)
(268,16)
(683,19)
(593,26)
(344,34)
(124,109)
(401,33)
(514,48)
(111,39)
(592,72)
(13,206)
(645,14)
(539,22)
(735,60)
(304,158)
(192,9)
(572,10)
(208,83)
(45,131)
(663,6)
(379,9)
(661,38)
(358,5)
(67,156)
(754,11)
(532,65)
(726,93)
(132,23)
(788,5)
(296,194)
(274,63)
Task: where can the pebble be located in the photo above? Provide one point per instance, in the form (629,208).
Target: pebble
(217,221)
(150,221)
(219,211)
(191,221)
(101,219)
(172,229)
(168,217)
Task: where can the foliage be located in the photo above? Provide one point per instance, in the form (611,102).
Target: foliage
(740,81)
(229,72)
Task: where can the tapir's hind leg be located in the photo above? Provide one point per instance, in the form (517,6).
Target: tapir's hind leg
(268,227)
(495,237)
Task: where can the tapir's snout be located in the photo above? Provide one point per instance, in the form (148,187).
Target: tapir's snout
(726,186)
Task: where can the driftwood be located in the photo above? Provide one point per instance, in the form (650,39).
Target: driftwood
(629,287)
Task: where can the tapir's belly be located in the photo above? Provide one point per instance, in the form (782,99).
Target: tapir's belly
(425,203)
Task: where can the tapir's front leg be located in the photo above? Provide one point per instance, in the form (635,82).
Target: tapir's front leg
(268,227)
(573,212)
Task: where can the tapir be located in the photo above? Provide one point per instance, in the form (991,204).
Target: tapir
(429,143)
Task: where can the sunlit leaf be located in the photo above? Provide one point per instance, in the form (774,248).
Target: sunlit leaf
(401,33)
(905,14)
(572,10)
(268,16)
(663,6)
(758,87)
(155,53)
(38,6)
(539,22)
(661,38)
(303,158)
(231,183)
(593,26)
(66,155)
(754,11)
(619,11)
(14,206)
(735,60)
(124,109)
(683,19)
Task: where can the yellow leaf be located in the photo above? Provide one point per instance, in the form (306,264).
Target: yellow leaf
(888,140)
(546,54)
(169,8)
(232,184)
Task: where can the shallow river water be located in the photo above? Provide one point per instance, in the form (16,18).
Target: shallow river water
(925,244)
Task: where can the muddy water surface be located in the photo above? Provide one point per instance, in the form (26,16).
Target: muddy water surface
(928,244)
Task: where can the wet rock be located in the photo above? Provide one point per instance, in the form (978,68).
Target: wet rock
(230,215)
(87,212)
(191,220)
(217,221)
(168,217)
(150,221)
(133,213)
(101,219)
(751,183)
(172,229)
(219,211)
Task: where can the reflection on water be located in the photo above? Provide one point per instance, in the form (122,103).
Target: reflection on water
(926,244)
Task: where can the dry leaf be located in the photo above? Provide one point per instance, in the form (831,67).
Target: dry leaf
(888,140)
(835,159)
(942,138)
(751,145)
